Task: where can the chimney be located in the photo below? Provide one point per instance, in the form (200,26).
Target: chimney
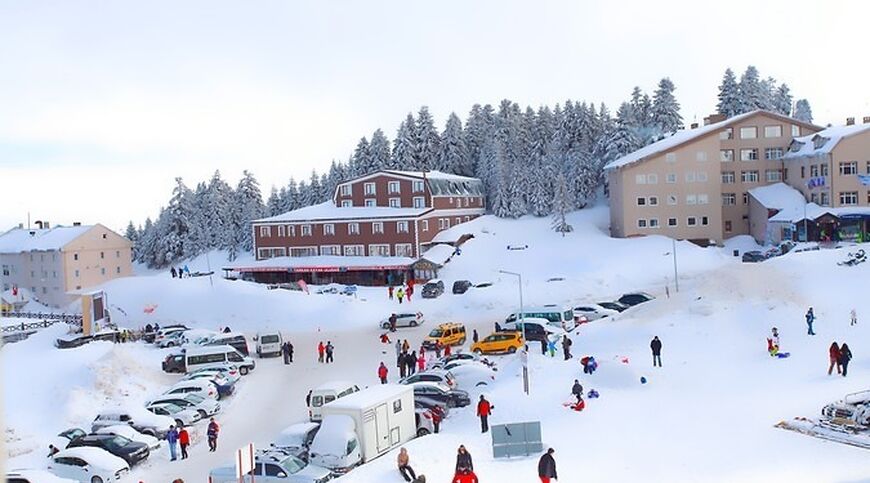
(714,118)
(850,121)
(20,226)
(46,225)
(694,125)
(866,119)
(77,223)
(39,223)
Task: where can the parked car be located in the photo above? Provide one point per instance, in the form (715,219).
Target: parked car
(329,289)
(615,306)
(461,286)
(172,339)
(537,330)
(452,398)
(753,256)
(435,375)
(34,476)
(234,340)
(509,342)
(423,418)
(445,334)
(561,316)
(593,312)
(196,386)
(268,343)
(432,289)
(132,452)
(224,386)
(217,356)
(229,371)
(326,393)
(71,434)
(472,375)
(131,434)
(174,363)
(296,439)
(138,418)
(205,406)
(349,290)
(151,336)
(635,298)
(483,285)
(426,403)
(274,466)
(404,320)
(166,332)
(182,417)
(91,465)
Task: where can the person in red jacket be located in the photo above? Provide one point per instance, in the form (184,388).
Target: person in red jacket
(465,475)
(446,350)
(834,354)
(382,373)
(184,441)
(484,409)
(320,350)
(437,416)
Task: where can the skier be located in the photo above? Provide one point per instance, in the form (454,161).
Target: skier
(393,320)
(406,346)
(656,346)
(463,459)
(484,409)
(172,439)
(320,350)
(385,339)
(854,317)
(773,342)
(845,357)
(285,351)
(404,468)
(547,466)
(834,355)
(566,347)
(212,433)
(465,476)
(382,373)
(589,364)
(329,351)
(577,390)
(811,317)
(308,398)
(474,336)
(184,442)
(551,348)
(186,271)
(421,363)
(172,271)
(400,294)
(390,292)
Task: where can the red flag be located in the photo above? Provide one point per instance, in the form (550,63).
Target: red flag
(15,290)
(303,285)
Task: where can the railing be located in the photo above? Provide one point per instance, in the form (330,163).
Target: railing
(47,320)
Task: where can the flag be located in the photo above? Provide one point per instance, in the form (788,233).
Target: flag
(303,285)
(864,179)
(15,290)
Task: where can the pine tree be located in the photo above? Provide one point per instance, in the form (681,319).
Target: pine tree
(782,100)
(360,163)
(751,90)
(247,207)
(768,94)
(379,151)
(427,141)
(176,221)
(405,146)
(729,95)
(273,204)
(622,141)
(453,155)
(802,111)
(132,234)
(563,203)
(217,204)
(665,108)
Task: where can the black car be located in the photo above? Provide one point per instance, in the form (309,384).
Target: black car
(534,332)
(433,289)
(634,298)
(461,286)
(174,363)
(613,306)
(150,336)
(452,398)
(130,451)
(753,257)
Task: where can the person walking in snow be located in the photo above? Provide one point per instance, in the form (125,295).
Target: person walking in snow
(845,357)
(656,346)
(172,440)
(321,349)
(437,415)
(834,356)
(403,364)
(398,348)
(577,390)
(438,347)
(854,317)
(400,294)
(184,442)
(285,351)
(290,351)
(406,346)
(390,292)
(421,362)
(811,317)
(405,469)
(484,409)
(409,292)
(412,362)
(382,373)
(393,320)
(547,466)
(566,347)
(212,434)
(186,271)
(474,336)
(329,351)
(551,348)
(308,398)
(172,272)
(463,459)
(447,350)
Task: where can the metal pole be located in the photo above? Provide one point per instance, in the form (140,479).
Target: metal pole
(521,319)
(208,264)
(676,277)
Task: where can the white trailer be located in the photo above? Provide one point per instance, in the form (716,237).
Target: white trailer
(364,425)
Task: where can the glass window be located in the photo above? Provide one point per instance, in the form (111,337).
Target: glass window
(653,200)
(653,222)
(701,156)
(703,199)
(691,199)
(814,170)
(750,132)
(264,231)
(640,179)
(345,190)
(424,225)
(420,202)
(727,133)
(728,226)
(402,227)
(652,178)
(704,221)
(353,228)
(729,199)
(306,230)
(773,153)
(691,221)
(370,203)
(672,177)
(282,231)
(353,251)
(641,201)
(849,198)
(346,203)
(728,177)
(393,187)
(726,155)
(850,167)
(395,203)
(418,186)
(330,250)
(823,199)
(641,223)
(773,175)
(690,177)
(749,154)
(773,131)
(745,198)
(377,227)
(369,188)
(671,157)
(824,169)
(795,130)
(329,229)
(403,250)
(380,250)
(749,176)
(701,177)
(672,222)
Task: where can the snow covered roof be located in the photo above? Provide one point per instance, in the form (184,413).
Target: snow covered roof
(322,263)
(370,396)
(445,183)
(439,254)
(328,211)
(19,240)
(823,142)
(814,211)
(332,436)
(778,196)
(431,175)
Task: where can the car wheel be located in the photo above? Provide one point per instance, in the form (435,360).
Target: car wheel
(413,323)
(179,423)
(96,479)
(422,432)
(512,350)
(478,351)
(202,413)
(385,326)
(243,371)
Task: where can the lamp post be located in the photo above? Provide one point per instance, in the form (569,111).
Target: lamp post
(673,253)
(525,354)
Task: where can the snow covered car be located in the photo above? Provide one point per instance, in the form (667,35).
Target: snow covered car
(201,387)
(635,298)
(472,375)
(435,375)
(34,476)
(453,398)
(406,319)
(182,417)
(139,419)
(165,332)
(593,312)
(229,371)
(433,289)
(536,330)
(615,306)
(753,257)
(205,406)
(224,386)
(275,466)
(461,286)
(131,434)
(90,465)
(132,452)
(423,418)
(854,409)
(349,290)
(296,439)
(172,339)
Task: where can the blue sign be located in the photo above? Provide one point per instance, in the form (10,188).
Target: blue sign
(864,179)
(816,182)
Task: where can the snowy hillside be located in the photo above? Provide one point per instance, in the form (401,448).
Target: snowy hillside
(707,415)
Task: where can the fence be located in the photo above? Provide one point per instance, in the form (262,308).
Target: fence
(46,320)
(516,439)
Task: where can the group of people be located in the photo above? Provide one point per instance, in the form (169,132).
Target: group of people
(325,352)
(408,362)
(181,272)
(287,352)
(840,355)
(402,292)
(464,469)
(179,437)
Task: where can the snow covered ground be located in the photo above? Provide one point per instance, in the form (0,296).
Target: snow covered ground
(708,415)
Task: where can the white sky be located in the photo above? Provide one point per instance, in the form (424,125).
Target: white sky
(102,104)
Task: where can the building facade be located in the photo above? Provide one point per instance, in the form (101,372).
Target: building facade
(55,264)
(695,184)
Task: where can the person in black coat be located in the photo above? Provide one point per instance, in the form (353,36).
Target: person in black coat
(285,351)
(547,466)
(656,346)
(463,459)
(566,346)
(577,390)
(290,349)
(845,357)
(411,361)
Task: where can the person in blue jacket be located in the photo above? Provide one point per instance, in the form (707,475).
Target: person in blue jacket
(811,317)
(172,439)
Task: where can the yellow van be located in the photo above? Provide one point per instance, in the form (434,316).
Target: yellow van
(447,334)
(509,342)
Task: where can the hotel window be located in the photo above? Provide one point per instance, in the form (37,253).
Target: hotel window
(330,249)
(701,156)
(745,198)
(653,201)
(640,179)
(420,202)
(377,227)
(329,229)
(727,133)
(749,154)
(849,168)
(305,230)
(353,228)
(729,199)
(748,132)
(346,203)
(690,177)
(691,199)
(418,186)
(264,231)
(672,222)
(401,227)
(292,230)
(803,172)
(371,203)
(369,188)
(641,201)
(653,222)
(395,202)
(103,254)
(443,223)
(464,202)
(117,254)
(868,167)
(823,199)
(773,131)
(824,169)
(749,176)
(726,155)
(102,272)
(393,187)
(704,221)
(728,177)
(354,251)
(458,220)
(672,199)
(451,200)
(77,274)
(379,250)
(814,197)
(849,198)
(403,250)
(691,221)
(773,153)
(773,175)
(814,170)
(671,178)
(118,270)
(703,199)
(652,179)
(424,225)
(282,230)
(641,223)
(76,255)
(701,177)
(671,157)
(795,130)
(728,226)
(345,190)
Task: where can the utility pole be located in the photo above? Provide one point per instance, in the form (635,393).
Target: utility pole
(676,276)
(521,318)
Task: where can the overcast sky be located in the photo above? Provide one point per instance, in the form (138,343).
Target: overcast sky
(103,103)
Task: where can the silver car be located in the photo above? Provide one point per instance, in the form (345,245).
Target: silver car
(404,320)
(182,417)
(205,406)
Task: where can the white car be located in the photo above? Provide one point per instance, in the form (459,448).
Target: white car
(137,418)
(182,417)
(171,339)
(435,375)
(205,406)
(216,376)
(405,319)
(296,439)
(34,476)
(131,434)
(166,332)
(472,375)
(275,466)
(200,387)
(593,312)
(229,371)
(88,465)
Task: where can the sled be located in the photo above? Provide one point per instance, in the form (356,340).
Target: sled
(854,259)
(783,355)
(849,434)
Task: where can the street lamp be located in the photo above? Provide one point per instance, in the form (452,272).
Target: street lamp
(521,318)
(674,254)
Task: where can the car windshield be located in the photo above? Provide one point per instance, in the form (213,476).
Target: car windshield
(436,333)
(317,401)
(293,464)
(194,398)
(117,442)
(172,408)
(268,339)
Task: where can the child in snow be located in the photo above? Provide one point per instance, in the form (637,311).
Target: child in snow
(578,406)
(385,339)
(854,317)
(551,348)
(773,342)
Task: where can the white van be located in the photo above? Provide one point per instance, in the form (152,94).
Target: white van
(561,316)
(268,342)
(210,356)
(327,393)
